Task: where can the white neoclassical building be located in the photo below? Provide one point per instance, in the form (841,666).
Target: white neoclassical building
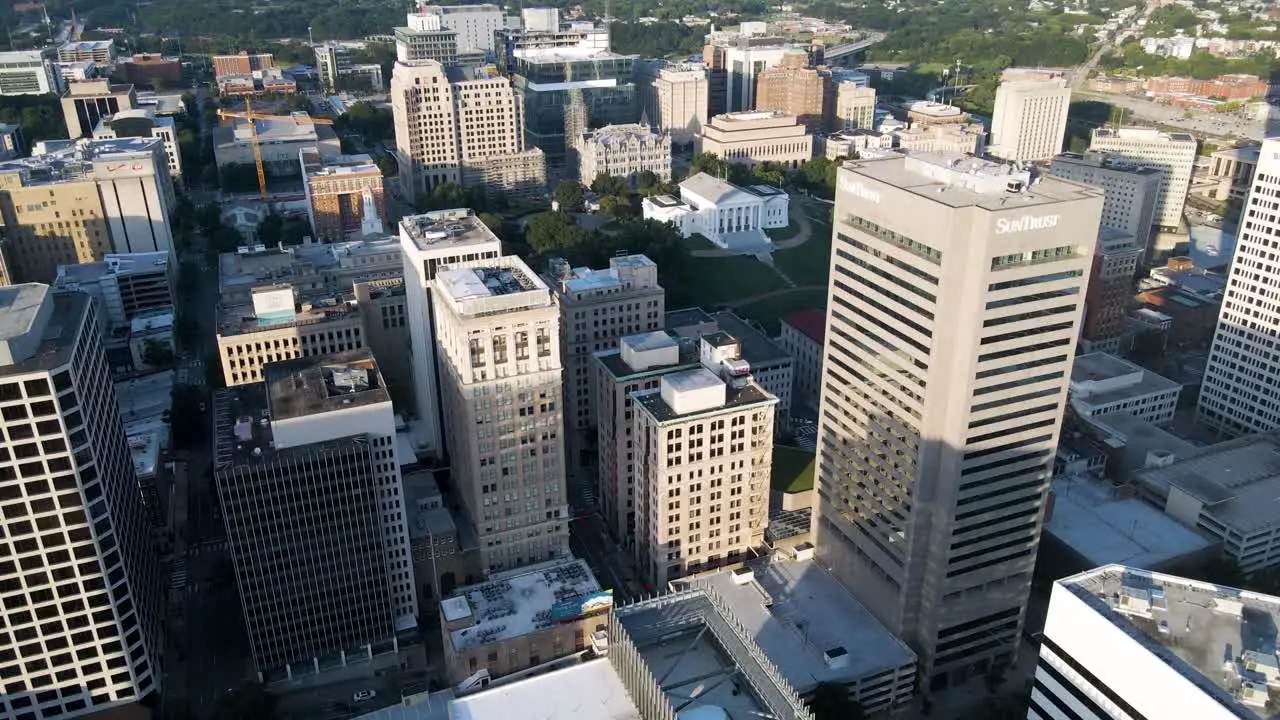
(732,217)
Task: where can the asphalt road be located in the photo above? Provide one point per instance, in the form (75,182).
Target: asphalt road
(611,564)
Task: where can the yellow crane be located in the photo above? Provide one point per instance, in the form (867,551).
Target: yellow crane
(251,116)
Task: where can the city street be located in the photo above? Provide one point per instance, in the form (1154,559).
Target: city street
(612,565)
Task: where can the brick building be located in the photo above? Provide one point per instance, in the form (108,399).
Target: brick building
(794,88)
(147,68)
(241,64)
(335,190)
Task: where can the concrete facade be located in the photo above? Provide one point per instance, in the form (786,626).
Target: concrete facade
(794,88)
(751,137)
(1173,154)
(1132,192)
(1029,121)
(624,151)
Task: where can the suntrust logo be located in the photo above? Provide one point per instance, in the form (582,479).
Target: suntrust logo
(1005,226)
(859,190)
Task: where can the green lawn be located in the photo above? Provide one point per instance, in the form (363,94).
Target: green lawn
(786,233)
(698,241)
(717,281)
(808,264)
(767,311)
(792,469)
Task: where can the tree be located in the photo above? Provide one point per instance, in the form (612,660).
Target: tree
(616,206)
(770,173)
(388,165)
(445,196)
(492,221)
(250,702)
(709,164)
(608,185)
(646,182)
(157,354)
(371,122)
(568,196)
(554,233)
(270,230)
(831,701)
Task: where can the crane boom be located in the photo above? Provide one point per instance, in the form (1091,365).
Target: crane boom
(251,116)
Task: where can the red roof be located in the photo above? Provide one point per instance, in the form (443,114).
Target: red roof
(811,323)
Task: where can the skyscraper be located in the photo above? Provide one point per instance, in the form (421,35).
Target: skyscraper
(79,583)
(794,88)
(498,329)
(1239,392)
(955,303)
(1132,191)
(1173,154)
(1029,121)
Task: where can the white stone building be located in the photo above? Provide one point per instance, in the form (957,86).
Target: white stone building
(727,215)
(1102,384)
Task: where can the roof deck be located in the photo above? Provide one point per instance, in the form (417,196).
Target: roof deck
(445,230)
(319,384)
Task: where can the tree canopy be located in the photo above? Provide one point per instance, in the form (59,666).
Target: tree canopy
(831,701)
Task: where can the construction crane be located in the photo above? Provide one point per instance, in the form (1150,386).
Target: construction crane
(251,116)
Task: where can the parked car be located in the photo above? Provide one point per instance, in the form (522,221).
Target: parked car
(363,695)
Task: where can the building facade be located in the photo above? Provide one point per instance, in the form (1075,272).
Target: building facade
(1106,303)
(474,26)
(279,141)
(803,338)
(1132,192)
(794,88)
(336,189)
(855,107)
(126,286)
(1029,121)
(27,72)
(727,215)
(99,52)
(1172,154)
(86,102)
(81,583)
(1103,384)
(501,389)
(942,139)
(144,123)
(243,63)
(150,69)
(750,137)
(1233,170)
(679,105)
(933,465)
(624,151)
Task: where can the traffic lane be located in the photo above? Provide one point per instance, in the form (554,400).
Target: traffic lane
(335,700)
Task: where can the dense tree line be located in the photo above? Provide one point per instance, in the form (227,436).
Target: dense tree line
(1202,65)
(38,116)
(661,39)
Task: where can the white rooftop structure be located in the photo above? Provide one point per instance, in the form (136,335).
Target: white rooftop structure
(730,216)
(447,232)
(1102,384)
(588,691)
(23,315)
(500,285)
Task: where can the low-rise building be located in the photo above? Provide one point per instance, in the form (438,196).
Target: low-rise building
(149,69)
(1102,384)
(852,143)
(312,269)
(1232,169)
(855,106)
(925,113)
(726,214)
(336,189)
(752,137)
(99,52)
(280,140)
(269,80)
(1110,290)
(27,72)
(803,335)
(943,139)
(242,63)
(624,151)
(522,618)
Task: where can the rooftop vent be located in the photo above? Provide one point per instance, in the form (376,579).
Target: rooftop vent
(837,658)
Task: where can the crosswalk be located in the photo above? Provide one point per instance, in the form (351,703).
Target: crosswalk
(212,546)
(178,575)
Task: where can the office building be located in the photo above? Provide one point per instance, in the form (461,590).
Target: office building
(81,583)
(734,61)
(384,314)
(85,103)
(337,72)
(803,337)
(1102,384)
(522,618)
(597,307)
(909,431)
(1173,154)
(1239,391)
(125,286)
(704,444)
(429,242)
(309,487)
(474,26)
(540,29)
(79,201)
(243,63)
(1127,642)
(278,326)
(794,88)
(462,125)
(1132,191)
(69,72)
(423,39)
(149,69)
(1232,169)
(501,387)
(942,138)
(855,107)
(1106,304)
(771,366)
(279,139)
(751,137)
(675,101)
(27,72)
(11,141)
(336,188)
(99,52)
(267,80)
(312,268)
(624,151)
(727,215)
(142,122)
(1029,121)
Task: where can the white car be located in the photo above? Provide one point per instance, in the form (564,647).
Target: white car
(363,696)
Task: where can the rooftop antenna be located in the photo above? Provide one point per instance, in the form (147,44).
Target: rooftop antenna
(608,33)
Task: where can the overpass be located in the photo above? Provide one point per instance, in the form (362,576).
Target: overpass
(849,51)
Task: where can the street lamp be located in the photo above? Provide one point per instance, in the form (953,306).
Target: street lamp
(310,39)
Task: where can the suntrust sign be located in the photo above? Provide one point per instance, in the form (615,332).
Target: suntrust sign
(1005,226)
(858,190)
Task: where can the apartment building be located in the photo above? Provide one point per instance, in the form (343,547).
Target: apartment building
(803,338)
(336,189)
(624,151)
(751,137)
(144,123)
(949,275)
(1106,304)
(855,107)
(81,585)
(86,102)
(1029,121)
(794,88)
(278,326)
(597,307)
(1238,394)
(676,101)
(428,243)
(1172,154)
(311,495)
(1132,192)
(704,452)
(242,63)
(27,72)
(79,202)
(501,389)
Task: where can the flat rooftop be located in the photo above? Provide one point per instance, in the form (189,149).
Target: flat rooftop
(72,160)
(951,180)
(19,308)
(1105,159)
(796,611)
(1238,481)
(1105,527)
(757,348)
(519,602)
(1143,134)
(54,345)
(1101,367)
(812,323)
(1200,630)
(445,230)
(323,383)
(1139,437)
(675,319)
(588,691)
(693,380)
(620,370)
(501,277)
(242,319)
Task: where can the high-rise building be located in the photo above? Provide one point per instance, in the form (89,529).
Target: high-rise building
(79,201)
(1131,191)
(332,63)
(423,40)
(674,99)
(734,61)
(85,103)
(311,495)
(336,189)
(1238,394)
(27,72)
(855,107)
(498,330)
(80,584)
(1029,121)
(540,29)
(1110,290)
(597,307)
(624,151)
(429,242)
(474,26)
(751,137)
(125,286)
(464,126)
(704,452)
(1173,154)
(142,122)
(955,303)
(794,88)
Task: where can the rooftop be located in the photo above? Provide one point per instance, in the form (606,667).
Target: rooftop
(280,129)
(1238,481)
(1098,158)
(1103,525)
(756,347)
(613,362)
(243,318)
(615,134)
(323,383)
(20,307)
(72,160)
(811,323)
(1101,379)
(797,612)
(694,382)
(1143,134)
(620,271)
(686,317)
(507,278)
(1139,438)
(792,470)
(523,601)
(1204,632)
(1245,153)
(87,45)
(122,264)
(710,188)
(317,166)
(446,230)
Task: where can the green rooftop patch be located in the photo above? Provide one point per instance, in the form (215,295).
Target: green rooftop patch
(792,469)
